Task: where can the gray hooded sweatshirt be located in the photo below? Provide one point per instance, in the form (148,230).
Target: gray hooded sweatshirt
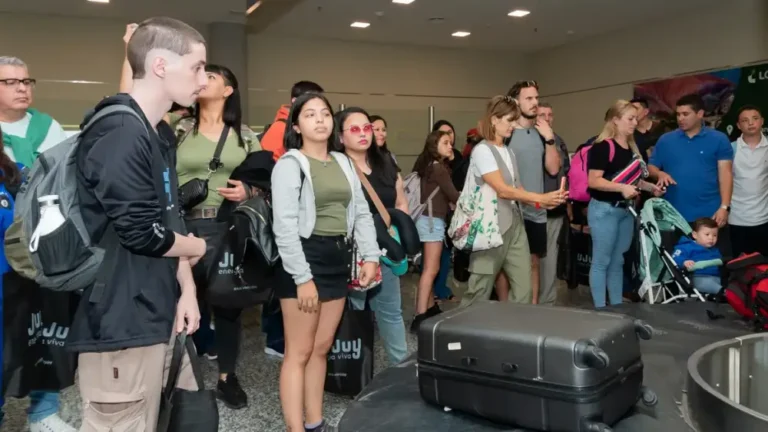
(294,215)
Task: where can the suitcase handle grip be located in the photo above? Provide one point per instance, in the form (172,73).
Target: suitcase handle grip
(591,356)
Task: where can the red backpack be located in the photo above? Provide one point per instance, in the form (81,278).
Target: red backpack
(747,290)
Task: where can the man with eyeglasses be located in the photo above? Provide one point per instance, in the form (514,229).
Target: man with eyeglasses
(26,134)
(26,131)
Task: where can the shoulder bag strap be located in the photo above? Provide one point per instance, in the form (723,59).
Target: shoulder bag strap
(215,162)
(374,196)
(183,344)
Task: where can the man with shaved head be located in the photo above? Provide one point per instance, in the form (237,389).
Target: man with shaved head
(144,293)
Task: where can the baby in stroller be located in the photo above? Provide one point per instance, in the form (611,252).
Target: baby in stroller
(700,256)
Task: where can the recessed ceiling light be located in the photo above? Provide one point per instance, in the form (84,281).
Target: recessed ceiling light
(461,34)
(519,13)
(99,1)
(402,1)
(360,24)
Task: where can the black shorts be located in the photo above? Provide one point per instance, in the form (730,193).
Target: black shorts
(329,260)
(537,238)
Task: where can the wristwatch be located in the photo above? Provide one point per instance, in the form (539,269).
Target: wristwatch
(726,208)
(550,142)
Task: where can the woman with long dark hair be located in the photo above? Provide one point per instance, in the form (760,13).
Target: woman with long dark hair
(356,136)
(432,168)
(380,135)
(441,289)
(318,210)
(217,112)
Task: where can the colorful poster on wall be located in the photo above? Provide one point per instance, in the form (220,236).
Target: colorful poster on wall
(723,92)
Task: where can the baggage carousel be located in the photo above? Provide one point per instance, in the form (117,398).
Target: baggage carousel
(392,401)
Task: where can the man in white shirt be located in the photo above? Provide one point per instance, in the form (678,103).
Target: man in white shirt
(749,206)
(27,133)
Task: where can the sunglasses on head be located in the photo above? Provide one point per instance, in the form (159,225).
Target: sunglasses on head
(357,129)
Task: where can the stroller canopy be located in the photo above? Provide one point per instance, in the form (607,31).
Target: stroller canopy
(657,216)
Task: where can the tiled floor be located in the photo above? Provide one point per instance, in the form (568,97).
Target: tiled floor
(259,377)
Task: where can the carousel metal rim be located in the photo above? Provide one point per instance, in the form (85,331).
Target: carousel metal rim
(710,392)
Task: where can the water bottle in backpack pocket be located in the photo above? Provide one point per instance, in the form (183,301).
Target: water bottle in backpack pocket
(48,241)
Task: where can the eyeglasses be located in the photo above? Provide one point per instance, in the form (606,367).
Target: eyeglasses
(367,128)
(14,82)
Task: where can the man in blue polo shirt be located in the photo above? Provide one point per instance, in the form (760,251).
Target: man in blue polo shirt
(695,163)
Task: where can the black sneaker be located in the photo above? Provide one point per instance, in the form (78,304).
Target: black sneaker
(231,394)
(324,427)
(434,310)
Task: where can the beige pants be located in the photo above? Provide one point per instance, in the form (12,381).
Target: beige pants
(121,390)
(548,265)
(513,257)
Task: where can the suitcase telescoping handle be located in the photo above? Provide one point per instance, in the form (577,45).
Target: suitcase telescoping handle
(588,355)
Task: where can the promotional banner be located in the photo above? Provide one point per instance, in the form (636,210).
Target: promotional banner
(723,92)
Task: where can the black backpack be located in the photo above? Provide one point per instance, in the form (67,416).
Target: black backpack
(254,251)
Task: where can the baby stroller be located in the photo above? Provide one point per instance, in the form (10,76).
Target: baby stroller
(661,227)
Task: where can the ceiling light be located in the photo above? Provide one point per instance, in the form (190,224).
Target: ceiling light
(402,1)
(519,13)
(99,1)
(461,34)
(360,24)
(252,8)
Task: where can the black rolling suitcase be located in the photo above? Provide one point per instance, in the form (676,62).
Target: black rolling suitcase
(536,367)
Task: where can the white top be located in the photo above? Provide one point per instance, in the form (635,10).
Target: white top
(19,128)
(482,161)
(749,204)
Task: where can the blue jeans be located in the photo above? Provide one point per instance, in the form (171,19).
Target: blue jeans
(386,303)
(272,325)
(441,282)
(611,228)
(707,284)
(42,405)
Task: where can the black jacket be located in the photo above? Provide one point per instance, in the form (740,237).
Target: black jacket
(128,195)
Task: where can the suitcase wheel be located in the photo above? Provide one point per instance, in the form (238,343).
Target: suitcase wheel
(593,426)
(650,398)
(643,329)
(591,356)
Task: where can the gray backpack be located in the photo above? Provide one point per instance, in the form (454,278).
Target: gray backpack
(65,259)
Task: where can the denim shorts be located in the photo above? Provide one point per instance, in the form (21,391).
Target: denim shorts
(427,235)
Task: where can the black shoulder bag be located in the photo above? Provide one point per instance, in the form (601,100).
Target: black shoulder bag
(195,191)
(184,410)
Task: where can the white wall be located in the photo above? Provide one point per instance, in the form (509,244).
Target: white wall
(65,49)
(582,79)
(396,82)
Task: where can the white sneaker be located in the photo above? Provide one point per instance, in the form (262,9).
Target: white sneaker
(52,423)
(273,353)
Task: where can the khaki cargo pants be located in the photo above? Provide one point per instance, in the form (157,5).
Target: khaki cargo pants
(513,257)
(121,390)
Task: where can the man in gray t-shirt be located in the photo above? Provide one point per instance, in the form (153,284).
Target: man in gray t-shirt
(533,143)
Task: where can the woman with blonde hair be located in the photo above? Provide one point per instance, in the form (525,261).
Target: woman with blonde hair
(493,163)
(616,173)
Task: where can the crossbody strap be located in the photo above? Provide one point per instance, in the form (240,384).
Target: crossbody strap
(374,196)
(215,162)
